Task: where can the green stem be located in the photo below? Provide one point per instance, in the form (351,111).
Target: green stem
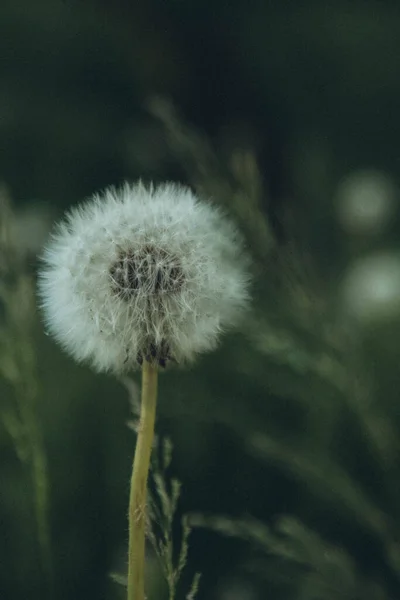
(39,467)
(140,470)
(27,396)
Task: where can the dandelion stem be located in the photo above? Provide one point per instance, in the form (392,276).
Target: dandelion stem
(140,470)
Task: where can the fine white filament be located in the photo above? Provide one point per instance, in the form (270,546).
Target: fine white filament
(142,273)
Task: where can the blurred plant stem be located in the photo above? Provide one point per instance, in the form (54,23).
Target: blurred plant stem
(27,395)
(19,369)
(238,186)
(138,493)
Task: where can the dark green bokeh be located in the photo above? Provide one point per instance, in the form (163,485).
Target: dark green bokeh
(312,89)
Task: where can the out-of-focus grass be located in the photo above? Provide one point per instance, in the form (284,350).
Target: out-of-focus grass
(18,368)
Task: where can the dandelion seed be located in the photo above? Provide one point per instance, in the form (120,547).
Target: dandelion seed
(142,273)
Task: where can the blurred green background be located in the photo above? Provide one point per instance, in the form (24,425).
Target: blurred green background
(286,113)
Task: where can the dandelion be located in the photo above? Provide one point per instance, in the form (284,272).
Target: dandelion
(142,273)
(142,277)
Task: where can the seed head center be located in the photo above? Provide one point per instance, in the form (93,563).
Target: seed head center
(148,270)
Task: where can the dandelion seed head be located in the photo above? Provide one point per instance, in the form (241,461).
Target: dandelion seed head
(142,273)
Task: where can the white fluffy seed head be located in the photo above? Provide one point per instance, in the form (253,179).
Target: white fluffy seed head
(142,273)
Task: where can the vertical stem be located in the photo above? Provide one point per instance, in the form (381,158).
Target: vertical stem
(27,396)
(39,468)
(140,470)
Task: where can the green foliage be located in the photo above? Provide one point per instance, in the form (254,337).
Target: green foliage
(320,570)
(304,337)
(162,508)
(162,511)
(19,415)
(296,415)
